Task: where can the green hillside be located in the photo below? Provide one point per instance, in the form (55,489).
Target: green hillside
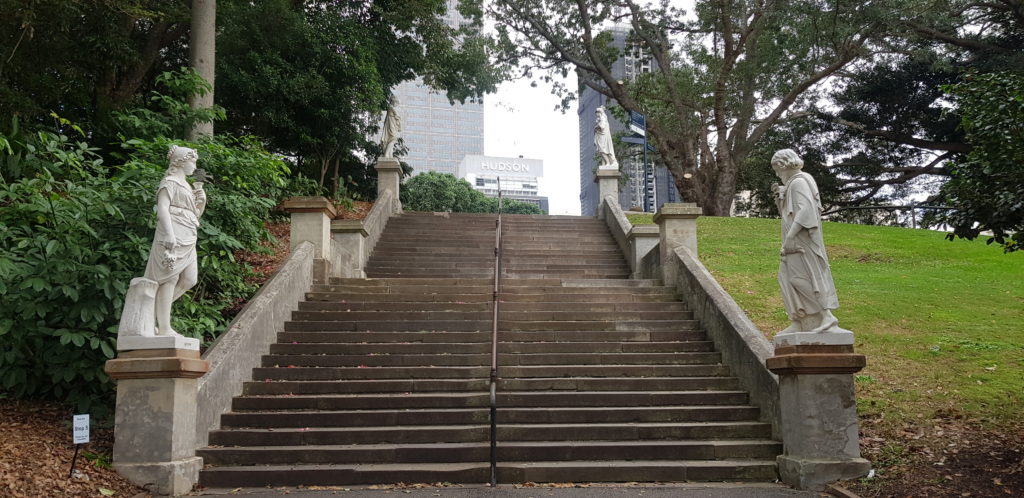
(942,323)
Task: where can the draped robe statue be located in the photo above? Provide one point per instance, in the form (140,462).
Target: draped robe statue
(392,130)
(808,291)
(603,141)
(172,268)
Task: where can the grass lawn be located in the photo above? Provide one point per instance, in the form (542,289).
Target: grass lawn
(941,323)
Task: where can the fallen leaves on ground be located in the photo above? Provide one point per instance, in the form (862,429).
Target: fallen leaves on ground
(35,441)
(947,456)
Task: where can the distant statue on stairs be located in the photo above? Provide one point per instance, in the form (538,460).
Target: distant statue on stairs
(808,291)
(392,129)
(603,141)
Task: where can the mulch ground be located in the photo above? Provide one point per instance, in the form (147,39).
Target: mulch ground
(36,452)
(944,457)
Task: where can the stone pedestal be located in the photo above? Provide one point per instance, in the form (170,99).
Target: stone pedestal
(155,418)
(607,186)
(677,226)
(642,238)
(311,221)
(389,176)
(350,244)
(820,434)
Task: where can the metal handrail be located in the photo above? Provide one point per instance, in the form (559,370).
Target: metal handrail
(494,343)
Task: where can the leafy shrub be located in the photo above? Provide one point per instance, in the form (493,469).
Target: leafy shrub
(74,232)
(434,191)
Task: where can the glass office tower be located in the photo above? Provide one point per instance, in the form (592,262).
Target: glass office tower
(647,186)
(437,133)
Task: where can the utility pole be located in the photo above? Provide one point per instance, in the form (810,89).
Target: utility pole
(203,50)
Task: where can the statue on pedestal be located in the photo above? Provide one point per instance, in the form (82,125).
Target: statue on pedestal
(603,142)
(808,291)
(172,268)
(392,129)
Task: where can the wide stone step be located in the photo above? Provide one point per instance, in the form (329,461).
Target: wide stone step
(481,359)
(267,386)
(486,306)
(352,474)
(412,434)
(291,372)
(503,315)
(364,401)
(504,335)
(480,325)
(507,452)
(618,383)
(355,418)
(569,297)
(505,399)
(638,471)
(350,435)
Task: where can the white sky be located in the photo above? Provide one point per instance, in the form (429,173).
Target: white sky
(522,120)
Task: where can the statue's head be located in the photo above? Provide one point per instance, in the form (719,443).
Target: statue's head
(599,110)
(182,157)
(787,160)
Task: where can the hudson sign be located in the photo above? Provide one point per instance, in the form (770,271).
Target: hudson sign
(494,165)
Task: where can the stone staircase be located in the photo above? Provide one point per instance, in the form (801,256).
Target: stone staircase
(384,379)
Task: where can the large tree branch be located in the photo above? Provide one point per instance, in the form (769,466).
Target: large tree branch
(952,39)
(899,137)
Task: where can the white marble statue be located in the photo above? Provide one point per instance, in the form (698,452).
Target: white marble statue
(603,142)
(392,129)
(172,268)
(804,275)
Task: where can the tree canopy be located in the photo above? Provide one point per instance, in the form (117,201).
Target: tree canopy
(433,191)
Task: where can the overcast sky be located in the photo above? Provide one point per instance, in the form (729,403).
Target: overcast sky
(522,120)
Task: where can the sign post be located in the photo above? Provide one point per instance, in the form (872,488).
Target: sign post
(79,436)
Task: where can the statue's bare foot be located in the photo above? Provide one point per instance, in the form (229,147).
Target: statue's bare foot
(793,327)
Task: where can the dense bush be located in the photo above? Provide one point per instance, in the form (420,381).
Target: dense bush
(434,191)
(74,231)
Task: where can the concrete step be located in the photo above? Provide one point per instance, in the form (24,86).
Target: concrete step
(504,336)
(514,451)
(291,372)
(329,475)
(618,383)
(503,315)
(268,386)
(505,399)
(486,324)
(412,434)
(639,471)
(481,359)
(486,306)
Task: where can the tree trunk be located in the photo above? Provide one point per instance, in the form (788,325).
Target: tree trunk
(203,49)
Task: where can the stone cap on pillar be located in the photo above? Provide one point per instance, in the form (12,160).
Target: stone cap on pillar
(641,231)
(157,364)
(677,210)
(349,226)
(606,173)
(815,359)
(388,164)
(315,204)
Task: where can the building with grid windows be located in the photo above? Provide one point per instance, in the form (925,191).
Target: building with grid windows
(647,186)
(518,177)
(437,133)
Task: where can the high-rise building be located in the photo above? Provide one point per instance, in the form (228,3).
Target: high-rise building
(647,186)
(518,177)
(439,134)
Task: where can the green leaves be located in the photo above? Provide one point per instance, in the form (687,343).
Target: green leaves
(75,237)
(434,191)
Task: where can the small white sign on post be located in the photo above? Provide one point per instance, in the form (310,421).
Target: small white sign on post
(80,425)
